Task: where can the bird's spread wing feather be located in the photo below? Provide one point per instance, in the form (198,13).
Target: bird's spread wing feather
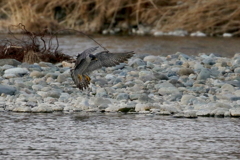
(107,59)
(83,55)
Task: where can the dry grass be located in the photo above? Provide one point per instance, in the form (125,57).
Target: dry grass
(210,16)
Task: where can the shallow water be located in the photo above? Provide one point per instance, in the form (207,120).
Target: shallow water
(165,45)
(116,136)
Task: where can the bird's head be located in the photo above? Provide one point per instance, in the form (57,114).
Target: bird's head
(93,58)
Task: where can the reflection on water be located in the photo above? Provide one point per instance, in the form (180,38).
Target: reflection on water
(154,45)
(116,136)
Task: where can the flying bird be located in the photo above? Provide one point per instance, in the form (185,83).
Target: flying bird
(87,62)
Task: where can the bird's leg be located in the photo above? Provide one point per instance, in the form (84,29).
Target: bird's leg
(80,77)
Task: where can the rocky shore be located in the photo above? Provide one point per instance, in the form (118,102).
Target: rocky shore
(178,85)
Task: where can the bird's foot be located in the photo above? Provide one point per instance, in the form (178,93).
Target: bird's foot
(87,77)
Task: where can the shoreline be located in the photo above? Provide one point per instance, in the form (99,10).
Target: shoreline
(179,85)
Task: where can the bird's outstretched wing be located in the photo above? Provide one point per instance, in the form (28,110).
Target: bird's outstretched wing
(107,59)
(83,55)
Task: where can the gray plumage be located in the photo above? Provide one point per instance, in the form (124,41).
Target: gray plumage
(87,62)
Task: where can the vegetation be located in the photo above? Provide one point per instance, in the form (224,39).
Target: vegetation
(32,47)
(213,17)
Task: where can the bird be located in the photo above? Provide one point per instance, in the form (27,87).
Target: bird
(86,62)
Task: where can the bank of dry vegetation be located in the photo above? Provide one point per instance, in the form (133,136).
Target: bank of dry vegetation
(213,17)
(32,47)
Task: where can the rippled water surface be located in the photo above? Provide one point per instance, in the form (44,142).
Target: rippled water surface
(116,136)
(154,45)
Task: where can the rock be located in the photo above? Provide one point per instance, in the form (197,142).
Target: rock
(36,74)
(188,99)
(12,62)
(9,90)
(163,113)
(142,107)
(222,105)
(169,108)
(204,74)
(146,76)
(101,92)
(235,112)
(185,71)
(198,34)
(176,83)
(67,64)
(178,115)
(152,59)
(143,98)
(22,109)
(122,96)
(16,71)
(52,93)
(160,76)
(43,108)
(204,112)
(227,35)
(136,62)
(101,101)
(52,75)
(62,78)
(37,87)
(219,112)
(168,90)
(228,88)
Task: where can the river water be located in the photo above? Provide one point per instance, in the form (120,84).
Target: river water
(165,45)
(117,136)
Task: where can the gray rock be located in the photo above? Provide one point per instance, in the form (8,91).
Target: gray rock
(145,99)
(52,75)
(122,96)
(235,112)
(185,71)
(228,88)
(12,62)
(174,97)
(36,74)
(42,108)
(204,74)
(16,71)
(222,105)
(176,83)
(9,90)
(188,99)
(100,101)
(101,92)
(204,112)
(146,76)
(134,96)
(62,78)
(52,93)
(160,76)
(136,62)
(22,109)
(37,87)
(168,90)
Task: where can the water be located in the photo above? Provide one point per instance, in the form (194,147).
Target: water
(117,136)
(168,45)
